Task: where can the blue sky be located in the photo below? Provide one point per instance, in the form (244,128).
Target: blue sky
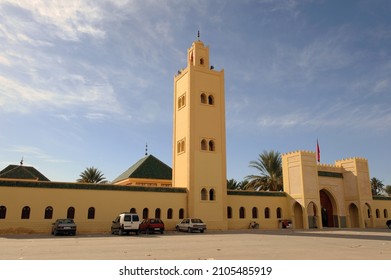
(89,83)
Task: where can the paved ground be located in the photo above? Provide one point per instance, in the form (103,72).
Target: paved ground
(326,244)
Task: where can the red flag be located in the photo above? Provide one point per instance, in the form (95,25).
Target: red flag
(317,151)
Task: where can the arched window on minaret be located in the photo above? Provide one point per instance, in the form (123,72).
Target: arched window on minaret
(203,98)
(211,100)
(212,145)
(204,194)
(201,61)
(204,145)
(212,195)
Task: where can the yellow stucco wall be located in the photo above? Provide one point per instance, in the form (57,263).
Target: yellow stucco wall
(107,204)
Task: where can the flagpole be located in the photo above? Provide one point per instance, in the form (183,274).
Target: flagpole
(317,151)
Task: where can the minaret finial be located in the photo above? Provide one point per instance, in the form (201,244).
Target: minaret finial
(198,35)
(21,162)
(146,149)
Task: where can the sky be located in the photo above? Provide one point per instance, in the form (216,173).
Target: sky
(90,83)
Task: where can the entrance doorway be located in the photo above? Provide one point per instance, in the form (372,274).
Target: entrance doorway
(354,217)
(326,209)
(298,210)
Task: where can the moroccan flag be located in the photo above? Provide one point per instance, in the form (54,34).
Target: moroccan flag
(317,151)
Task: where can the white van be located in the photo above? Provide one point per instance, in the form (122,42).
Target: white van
(125,223)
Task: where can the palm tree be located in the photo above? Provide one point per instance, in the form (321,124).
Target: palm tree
(232,184)
(376,186)
(269,164)
(92,175)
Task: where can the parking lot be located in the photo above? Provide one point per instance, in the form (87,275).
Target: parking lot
(328,244)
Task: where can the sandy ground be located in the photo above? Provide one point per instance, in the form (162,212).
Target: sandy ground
(328,244)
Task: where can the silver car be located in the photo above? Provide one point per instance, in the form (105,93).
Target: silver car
(191,224)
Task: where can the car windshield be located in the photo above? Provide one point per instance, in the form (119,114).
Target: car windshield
(67,221)
(196,221)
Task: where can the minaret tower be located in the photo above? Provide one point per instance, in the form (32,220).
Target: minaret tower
(199,145)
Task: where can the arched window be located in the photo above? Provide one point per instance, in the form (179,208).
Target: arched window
(385,212)
(202,61)
(369,213)
(182,146)
(377,213)
(242,213)
(169,214)
(279,216)
(212,194)
(203,98)
(204,194)
(3,212)
(211,145)
(267,213)
(211,100)
(48,212)
(255,213)
(157,213)
(145,213)
(204,145)
(181,213)
(26,212)
(71,213)
(132,210)
(229,212)
(91,213)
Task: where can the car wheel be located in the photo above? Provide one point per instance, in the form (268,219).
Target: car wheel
(120,231)
(189,229)
(162,231)
(389,225)
(177,228)
(202,231)
(137,232)
(55,233)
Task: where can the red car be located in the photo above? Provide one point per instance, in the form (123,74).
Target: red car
(152,225)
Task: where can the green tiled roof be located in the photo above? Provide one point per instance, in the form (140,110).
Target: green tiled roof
(22,172)
(148,167)
(85,186)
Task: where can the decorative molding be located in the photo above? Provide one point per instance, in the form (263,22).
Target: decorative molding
(330,174)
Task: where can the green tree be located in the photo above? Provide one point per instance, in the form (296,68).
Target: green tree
(388,190)
(269,165)
(232,184)
(92,175)
(376,186)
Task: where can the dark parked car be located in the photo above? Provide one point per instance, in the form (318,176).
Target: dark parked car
(152,225)
(388,223)
(64,226)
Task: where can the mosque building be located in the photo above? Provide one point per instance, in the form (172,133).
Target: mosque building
(315,195)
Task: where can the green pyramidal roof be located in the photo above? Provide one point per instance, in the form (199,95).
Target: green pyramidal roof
(22,172)
(148,167)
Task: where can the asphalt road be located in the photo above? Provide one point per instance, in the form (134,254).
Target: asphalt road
(328,244)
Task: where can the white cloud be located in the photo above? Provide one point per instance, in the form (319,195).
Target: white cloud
(35,153)
(70,19)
